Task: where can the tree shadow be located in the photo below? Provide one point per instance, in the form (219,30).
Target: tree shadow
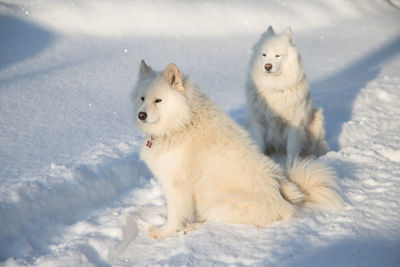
(20,39)
(339,91)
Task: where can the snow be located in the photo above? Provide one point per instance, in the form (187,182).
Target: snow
(72,188)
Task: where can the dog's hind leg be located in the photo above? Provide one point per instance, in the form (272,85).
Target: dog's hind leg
(316,134)
(255,210)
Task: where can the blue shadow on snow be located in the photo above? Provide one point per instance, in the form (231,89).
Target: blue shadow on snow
(361,251)
(20,39)
(339,91)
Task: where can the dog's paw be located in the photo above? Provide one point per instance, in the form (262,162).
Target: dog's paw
(161,233)
(191,227)
(155,232)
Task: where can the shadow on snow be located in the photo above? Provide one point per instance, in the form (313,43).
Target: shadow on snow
(20,39)
(339,91)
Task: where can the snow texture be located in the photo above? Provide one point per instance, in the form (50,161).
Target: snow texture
(72,189)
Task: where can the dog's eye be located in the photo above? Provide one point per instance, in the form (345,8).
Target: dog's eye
(277,55)
(157,100)
(264,55)
(142,98)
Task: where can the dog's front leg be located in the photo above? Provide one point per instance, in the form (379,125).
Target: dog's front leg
(295,140)
(257,133)
(179,210)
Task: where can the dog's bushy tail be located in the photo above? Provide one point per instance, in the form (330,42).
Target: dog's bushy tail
(316,183)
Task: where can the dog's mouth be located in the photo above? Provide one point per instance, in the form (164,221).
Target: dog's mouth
(147,121)
(270,72)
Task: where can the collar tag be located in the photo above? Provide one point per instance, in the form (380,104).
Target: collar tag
(149,143)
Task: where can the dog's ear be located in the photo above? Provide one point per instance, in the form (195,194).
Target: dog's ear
(289,34)
(174,77)
(144,68)
(270,30)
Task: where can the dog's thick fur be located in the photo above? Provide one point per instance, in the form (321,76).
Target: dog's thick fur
(208,166)
(280,111)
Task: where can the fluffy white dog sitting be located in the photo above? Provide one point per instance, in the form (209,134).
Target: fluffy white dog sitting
(280,111)
(207,165)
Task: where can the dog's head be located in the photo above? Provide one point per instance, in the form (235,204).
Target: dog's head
(160,105)
(274,51)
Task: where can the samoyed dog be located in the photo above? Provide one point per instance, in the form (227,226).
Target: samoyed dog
(208,166)
(281,116)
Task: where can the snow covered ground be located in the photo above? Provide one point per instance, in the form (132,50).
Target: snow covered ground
(72,189)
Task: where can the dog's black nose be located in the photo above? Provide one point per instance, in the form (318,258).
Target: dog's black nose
(142,116)
(268,66)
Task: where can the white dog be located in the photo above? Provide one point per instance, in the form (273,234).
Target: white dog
(208,166)
(280,111)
